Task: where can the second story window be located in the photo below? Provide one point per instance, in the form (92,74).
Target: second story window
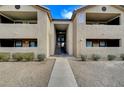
(102,18)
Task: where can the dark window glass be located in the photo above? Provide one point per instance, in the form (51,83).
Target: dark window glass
(18,43)
(113,43)
(7,43)
(33,43)
(89,43)
(102,44)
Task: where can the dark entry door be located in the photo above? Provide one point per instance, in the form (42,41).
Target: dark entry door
(61,43)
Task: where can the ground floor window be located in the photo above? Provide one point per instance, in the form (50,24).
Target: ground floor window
(33,43)
(6,43)
(89,43)
(18,42)
(102,42)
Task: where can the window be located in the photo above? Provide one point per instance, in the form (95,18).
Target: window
(95,43)
(18,43)
(33,43)
(113,43)
(89,43)
(102,42)
(7,43)
(62,39)
(58,39)
(25,43)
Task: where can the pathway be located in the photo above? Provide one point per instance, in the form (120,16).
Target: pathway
(62,75)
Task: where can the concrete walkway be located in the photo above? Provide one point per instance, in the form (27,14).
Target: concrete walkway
(62,75)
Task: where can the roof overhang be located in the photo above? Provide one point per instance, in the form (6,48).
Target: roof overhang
(19,15)
(101,16)
(61,27)
(90,6)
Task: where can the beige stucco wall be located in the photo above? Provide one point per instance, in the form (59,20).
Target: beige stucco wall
(52,39)
(12,8)
(39,31)
(84,31)
(75,36)
(69,39)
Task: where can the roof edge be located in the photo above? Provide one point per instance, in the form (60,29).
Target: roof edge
(79,9)
(45,10)
(61,19)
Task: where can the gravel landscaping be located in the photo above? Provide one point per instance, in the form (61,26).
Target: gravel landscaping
(25,74)
(98,73)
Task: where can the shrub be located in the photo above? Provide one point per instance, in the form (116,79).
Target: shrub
(122,56)
(4,56)
(17,56)
(28,56)
(111,57)
(83,57)
(95,57)
(23,56)
(41,57)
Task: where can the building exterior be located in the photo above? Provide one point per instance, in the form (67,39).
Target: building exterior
(91,30)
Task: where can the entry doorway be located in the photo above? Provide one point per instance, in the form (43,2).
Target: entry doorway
(60,42)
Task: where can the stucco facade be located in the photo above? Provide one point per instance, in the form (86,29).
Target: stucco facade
(84,31)
(39,31)
(74,32)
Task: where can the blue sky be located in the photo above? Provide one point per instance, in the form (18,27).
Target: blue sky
(62,11)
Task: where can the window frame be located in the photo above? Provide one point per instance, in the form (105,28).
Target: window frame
(18,41)
(35,42)
(90,42)
(105,42)
(102,41)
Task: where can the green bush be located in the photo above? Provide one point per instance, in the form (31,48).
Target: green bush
(4,56)
(28,56)
(41,57)
(122,56)
(17,56)
(83,57)
(111,57)
(23,56)
(95,57)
